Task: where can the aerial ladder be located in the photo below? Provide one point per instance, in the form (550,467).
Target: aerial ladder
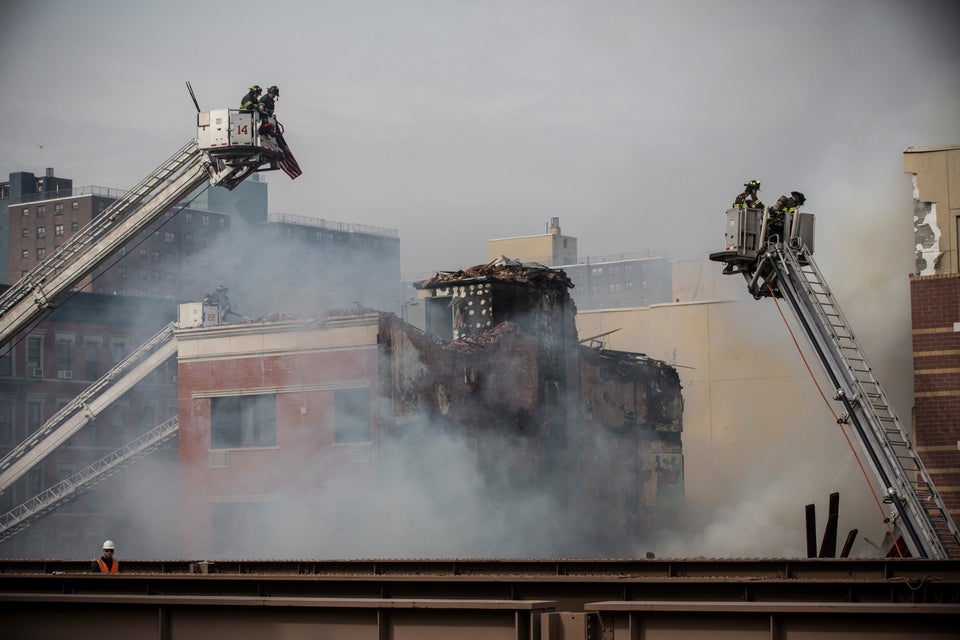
(68,489)
(230,145)
(783,267)
(86,407)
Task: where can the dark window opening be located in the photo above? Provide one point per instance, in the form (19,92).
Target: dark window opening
(352,415)
(243,421)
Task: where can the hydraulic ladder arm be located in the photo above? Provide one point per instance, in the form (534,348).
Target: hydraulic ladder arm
(227,149)
(786,269)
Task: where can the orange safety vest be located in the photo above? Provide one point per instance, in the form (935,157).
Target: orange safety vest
(105,569)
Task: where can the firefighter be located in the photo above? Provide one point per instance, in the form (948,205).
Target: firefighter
(249,101)
(266,104)
(749,198)
(778,212)
(106,562)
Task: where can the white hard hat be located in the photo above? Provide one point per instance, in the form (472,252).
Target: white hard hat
(108,544)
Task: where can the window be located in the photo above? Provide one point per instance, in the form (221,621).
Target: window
(25,254)
(74,205)
(118,351)
(41,211)
(169,237)
(243,421)
(58,209)
(148,416)
(58,230)
(74,226)
(41,253)
(189,216)
(34,415)
(155,256)
(119,415)
(91,359)
(352,415)
(41,233)
(142,252)
(6,361)
(205,220)
(34,352)
(596,271)
(6,423)
(25,211)
(35,483)
(24,233)
(64,346)
(123,273)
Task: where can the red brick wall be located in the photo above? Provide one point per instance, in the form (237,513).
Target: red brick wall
(304,455)
(935,304)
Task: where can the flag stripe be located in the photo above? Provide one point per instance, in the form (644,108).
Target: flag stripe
(288,163)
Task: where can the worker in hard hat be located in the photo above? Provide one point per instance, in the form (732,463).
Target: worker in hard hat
(106,563)
(749,199)
(249,101)
(778,212)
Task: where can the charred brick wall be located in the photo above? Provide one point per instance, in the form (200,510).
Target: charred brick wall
(601,431)
(935,305)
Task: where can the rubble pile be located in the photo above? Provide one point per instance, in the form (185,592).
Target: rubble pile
(506,270)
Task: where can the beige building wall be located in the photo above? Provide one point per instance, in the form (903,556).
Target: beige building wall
(550,249)
(936,191)
(759,442)
(698,280)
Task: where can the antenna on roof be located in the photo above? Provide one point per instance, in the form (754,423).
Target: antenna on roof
(192,95)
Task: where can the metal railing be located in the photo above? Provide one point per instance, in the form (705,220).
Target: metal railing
(20,517)
(345,227)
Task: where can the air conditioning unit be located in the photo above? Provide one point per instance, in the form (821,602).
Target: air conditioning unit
(65,374)
(36,373)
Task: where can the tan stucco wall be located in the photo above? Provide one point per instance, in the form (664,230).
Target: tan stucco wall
(937,176)
(546,249)
(758,440)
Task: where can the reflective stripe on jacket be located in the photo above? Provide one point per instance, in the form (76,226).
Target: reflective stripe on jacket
(105,569)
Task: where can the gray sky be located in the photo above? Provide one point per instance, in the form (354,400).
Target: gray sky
(457,122)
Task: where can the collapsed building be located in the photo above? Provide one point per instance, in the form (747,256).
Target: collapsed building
(493,433)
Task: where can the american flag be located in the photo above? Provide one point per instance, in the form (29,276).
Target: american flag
(288,163)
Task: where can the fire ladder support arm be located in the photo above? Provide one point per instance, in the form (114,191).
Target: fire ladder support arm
(22,516)
(87,406)
(207,158)
(903,481)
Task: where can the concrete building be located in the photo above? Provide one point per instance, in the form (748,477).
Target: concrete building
(40,372)
(24,186)
(549,249)
(284,262)
(359,434)
(935,304)
(620,281)
(623,280)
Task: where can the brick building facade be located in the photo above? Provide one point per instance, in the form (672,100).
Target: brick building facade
(358,434)
(935,312)
(936,375)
